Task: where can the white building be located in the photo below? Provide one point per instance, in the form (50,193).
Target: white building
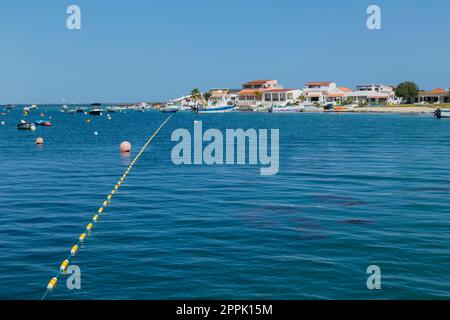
(374,94)
(221,95)
(317,92)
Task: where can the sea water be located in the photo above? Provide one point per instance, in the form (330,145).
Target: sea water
(353,190)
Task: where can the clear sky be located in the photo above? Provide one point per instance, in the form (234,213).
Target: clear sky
(153,50)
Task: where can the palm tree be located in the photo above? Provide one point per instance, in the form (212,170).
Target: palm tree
(258,95)
(206,96)
(196,94)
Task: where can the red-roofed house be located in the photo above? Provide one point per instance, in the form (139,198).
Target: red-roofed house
(337,94)
(437,95)
(265,92)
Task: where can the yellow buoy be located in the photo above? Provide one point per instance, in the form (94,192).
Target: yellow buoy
(82,237)
(110,197)
(95,218)
(105,203)
(116,187)
(64,265)
(100,210)
(114,191)
(52,284)
(89,227)
(74,250)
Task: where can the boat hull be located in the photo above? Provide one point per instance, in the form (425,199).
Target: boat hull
(221,109)
(442,114)
(25,126)
(288,109)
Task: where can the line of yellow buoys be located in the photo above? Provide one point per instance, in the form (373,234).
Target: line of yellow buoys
(65,264)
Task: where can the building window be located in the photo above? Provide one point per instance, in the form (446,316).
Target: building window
(267,97)
(282,96)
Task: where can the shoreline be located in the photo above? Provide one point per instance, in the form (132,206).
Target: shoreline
(398,110)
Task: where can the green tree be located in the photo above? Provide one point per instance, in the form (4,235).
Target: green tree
(207,96)
(196,94)
(258,95)
(407,90)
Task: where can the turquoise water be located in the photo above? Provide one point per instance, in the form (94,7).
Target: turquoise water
(353,190)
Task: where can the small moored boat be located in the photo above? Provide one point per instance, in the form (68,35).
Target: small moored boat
(26,126)
(218,109)
(287,109)
(170,108)
(442,113)
(43,123)
(95,112)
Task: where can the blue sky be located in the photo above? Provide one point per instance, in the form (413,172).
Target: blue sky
(155,50)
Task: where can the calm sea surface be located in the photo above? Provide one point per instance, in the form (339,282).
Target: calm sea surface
(353,190)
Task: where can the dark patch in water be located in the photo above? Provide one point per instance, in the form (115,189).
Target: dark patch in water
(353,203)
(356,222)
(326,198)
(307,222)
(312,236)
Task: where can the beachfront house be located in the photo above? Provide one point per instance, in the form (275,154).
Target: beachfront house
(252,91)
(266,92)
(280,96)
(437,95)
(337,95)
(374,94)
(220,95)
(317,92)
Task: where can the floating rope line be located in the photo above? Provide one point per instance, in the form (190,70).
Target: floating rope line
(65,264)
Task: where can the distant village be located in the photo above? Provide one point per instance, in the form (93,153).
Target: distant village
(269,93)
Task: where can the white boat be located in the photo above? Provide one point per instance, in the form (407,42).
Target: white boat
(115,109)
(218,108)
(170,108)
(33,106)
(260,108)
(288,109)
(219,105)
(184,108)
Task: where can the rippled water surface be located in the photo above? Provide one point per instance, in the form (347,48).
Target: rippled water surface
(353,190)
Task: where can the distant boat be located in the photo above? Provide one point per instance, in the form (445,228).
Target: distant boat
(9,106)
(43,123)
(170,108)
(115,109)
(95,112)
(33,106)
(259,108)
(218,109)
(96,104)
(26,126)
(219,104)
(287,109)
